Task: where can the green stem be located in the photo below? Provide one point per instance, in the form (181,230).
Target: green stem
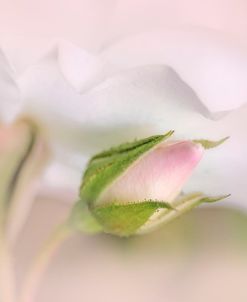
(7,276)
(37,270)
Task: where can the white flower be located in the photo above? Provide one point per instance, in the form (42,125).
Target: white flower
(135,72)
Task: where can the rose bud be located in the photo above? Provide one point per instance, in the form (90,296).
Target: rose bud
(135,187)
(22,155)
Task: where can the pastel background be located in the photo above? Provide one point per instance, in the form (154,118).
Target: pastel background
(98,72)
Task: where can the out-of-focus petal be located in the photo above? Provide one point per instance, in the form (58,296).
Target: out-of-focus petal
(23,51)
(133,104)
(211,63)
(23,154)
(80,67)
(9,92)
(13,147)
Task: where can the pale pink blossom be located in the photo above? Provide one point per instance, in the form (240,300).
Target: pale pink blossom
(159,175)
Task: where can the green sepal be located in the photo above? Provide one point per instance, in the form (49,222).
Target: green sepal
(211,199)
(133,218)
(199,197)
(180,206)
(207,144)
(124,219)
(106,166)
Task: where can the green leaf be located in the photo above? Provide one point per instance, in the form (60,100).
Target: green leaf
(207,144)
(125,219)
(106,166)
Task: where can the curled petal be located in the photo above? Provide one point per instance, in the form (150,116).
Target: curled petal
(212,63)
(159,175)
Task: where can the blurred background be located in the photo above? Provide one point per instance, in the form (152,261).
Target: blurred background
(198,257)
(77,70)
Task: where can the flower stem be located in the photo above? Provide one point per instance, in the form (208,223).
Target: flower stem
(7,277)
(40,264)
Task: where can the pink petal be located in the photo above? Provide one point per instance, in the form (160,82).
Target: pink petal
(159,175)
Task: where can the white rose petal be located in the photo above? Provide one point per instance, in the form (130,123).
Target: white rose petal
(215,66)
(135,103)
(120,67)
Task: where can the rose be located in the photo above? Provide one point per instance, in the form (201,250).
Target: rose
(135,187)
(114,119)
(133,103)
